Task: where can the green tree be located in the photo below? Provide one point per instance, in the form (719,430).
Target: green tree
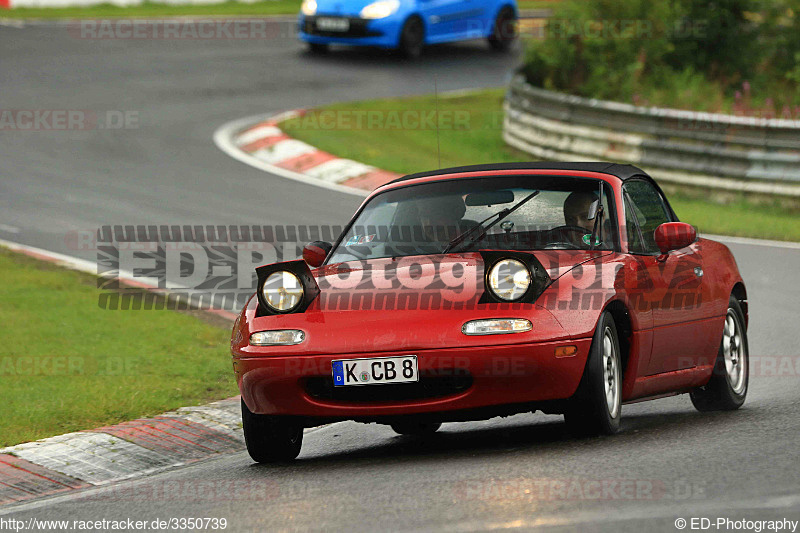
(600,48)
(715,37)
(695,53)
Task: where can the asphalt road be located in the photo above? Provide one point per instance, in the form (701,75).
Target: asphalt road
(669,461)
(166,169)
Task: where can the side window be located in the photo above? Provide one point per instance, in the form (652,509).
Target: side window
(647,205)
(635,245)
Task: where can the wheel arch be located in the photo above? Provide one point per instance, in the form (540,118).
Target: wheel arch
(503,4)
(740,293)
(622,319)
(512,5)
(414,15)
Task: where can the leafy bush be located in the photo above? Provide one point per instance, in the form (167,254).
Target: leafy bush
(715,37)
(686,53)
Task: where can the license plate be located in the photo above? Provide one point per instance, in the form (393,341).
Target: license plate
(333,24)
(375,371)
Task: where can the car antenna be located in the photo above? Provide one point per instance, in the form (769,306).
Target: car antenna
(438,142)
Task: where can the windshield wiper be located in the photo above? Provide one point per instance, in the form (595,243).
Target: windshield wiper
(598,220)
(462,237)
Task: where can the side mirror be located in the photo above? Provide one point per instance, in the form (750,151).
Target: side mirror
(674,236)
(314,253)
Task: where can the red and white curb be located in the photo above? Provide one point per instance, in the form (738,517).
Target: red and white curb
(260,143)
(122,451)
(119,452)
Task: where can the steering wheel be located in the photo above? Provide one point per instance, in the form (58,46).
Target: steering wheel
(559,244)
(576,229)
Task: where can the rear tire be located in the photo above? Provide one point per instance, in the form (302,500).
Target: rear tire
(416,428)
(412,38)
(504,32)
(596,407)
(271,439)
(318,48)
(727,388)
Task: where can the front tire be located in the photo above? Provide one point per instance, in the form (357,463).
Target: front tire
(727,388)
(412,38)
(271,439)
(504,31)
(596,407)
(416,428)
(318,48)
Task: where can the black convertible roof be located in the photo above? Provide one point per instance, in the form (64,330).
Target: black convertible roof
(623,172)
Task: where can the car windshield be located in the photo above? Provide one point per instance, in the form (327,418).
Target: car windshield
(502,212)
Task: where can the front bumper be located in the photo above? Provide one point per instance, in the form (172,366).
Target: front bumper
(384,33)
(451,379)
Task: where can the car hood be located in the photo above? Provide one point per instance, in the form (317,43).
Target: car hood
(555,262)
(560,262)
(405,308)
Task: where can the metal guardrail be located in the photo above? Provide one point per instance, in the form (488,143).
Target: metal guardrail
(705,149)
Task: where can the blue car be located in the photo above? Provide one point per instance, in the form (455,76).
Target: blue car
(407,25)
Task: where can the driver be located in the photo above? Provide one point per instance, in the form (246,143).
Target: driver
(576,209)
(576,214)
(439,216)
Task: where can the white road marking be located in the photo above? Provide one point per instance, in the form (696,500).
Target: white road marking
(222,416)
(256,134)
(9,229)
(338,170)
(669,511)
(12,23)
(99,489)
(283,150)
(99,458)
(73,263)
(754,242)
(96,458)
(223,138)
(90,267)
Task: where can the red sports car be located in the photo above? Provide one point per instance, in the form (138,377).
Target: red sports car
(474,292)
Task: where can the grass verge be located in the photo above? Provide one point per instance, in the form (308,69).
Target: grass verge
(471,133)
(66,364)
(400,134)
(224,9)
